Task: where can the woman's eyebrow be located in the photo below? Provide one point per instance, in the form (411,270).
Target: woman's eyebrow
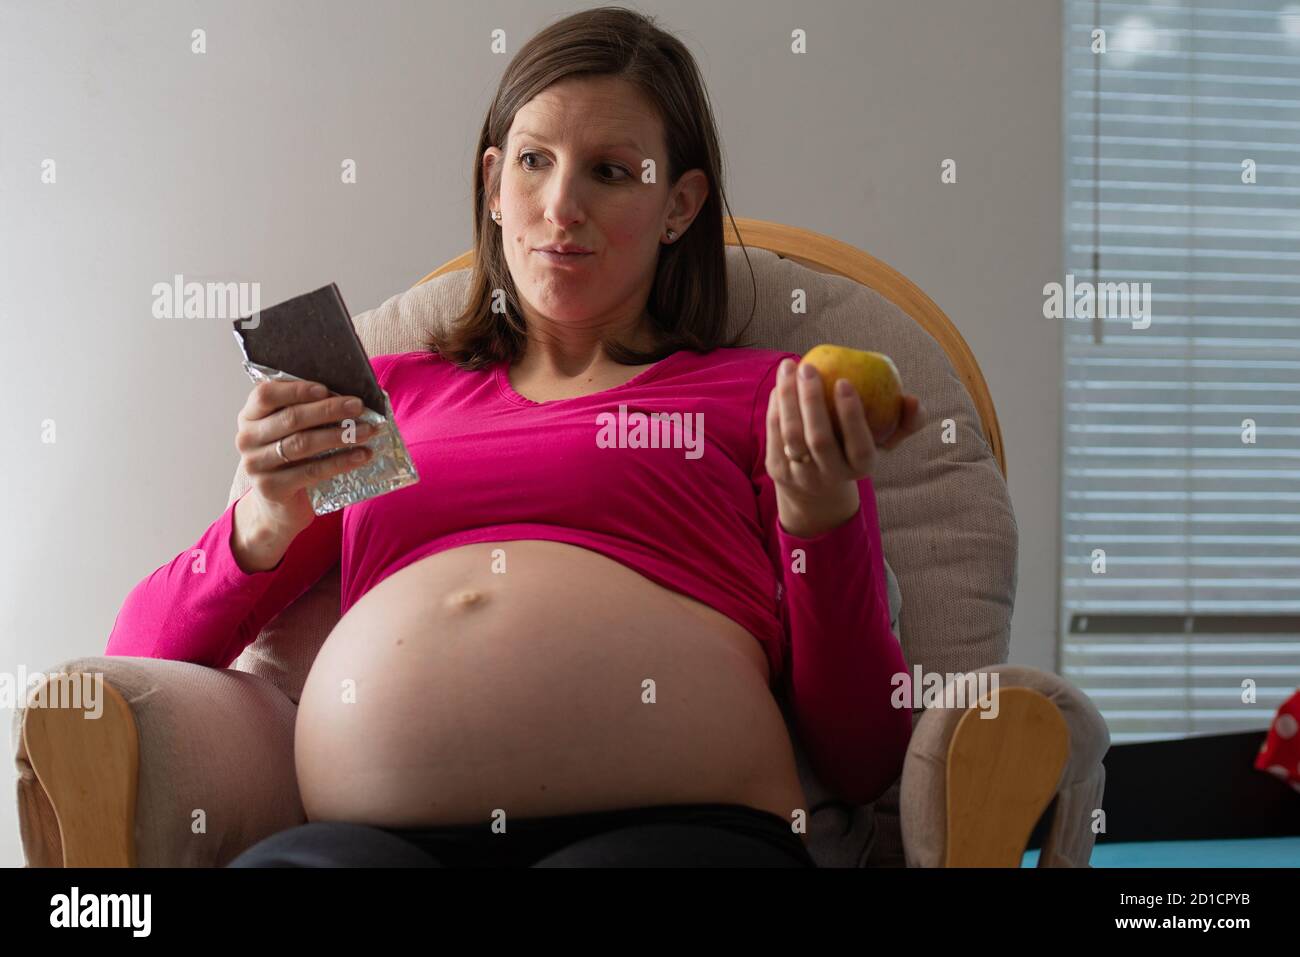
(629,144)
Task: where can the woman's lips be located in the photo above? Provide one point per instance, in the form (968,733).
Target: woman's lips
(563,259)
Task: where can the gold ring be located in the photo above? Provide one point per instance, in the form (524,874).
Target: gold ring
(801,459)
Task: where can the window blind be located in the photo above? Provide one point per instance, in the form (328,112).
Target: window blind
(1196,519)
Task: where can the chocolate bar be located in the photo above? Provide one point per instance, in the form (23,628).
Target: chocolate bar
(312,337)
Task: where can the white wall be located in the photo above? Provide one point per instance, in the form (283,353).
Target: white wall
(226,166)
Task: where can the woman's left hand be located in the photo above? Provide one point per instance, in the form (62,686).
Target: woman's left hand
(816,476)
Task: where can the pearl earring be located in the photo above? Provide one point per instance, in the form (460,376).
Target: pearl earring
(496,216)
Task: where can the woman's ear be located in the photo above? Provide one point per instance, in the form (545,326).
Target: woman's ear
(689,193)
(491,157)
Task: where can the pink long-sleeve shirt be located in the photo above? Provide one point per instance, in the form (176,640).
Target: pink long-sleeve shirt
(686,501)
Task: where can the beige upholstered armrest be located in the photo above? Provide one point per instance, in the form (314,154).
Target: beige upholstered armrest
(973,788)
(215,766)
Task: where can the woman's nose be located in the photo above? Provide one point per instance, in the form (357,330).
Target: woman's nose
(563,199)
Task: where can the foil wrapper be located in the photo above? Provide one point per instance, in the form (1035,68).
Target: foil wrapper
(389,469)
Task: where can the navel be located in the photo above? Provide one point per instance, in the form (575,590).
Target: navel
(465,598)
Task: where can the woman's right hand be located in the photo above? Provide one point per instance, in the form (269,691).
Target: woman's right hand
(309,422)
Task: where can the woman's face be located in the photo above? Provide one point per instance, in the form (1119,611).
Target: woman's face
(572,173)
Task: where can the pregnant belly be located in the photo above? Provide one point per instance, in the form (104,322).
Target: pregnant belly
(569,683)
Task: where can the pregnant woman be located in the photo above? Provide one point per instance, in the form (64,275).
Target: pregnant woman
(564,645)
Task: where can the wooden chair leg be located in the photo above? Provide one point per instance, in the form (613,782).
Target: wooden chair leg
(1002,774)
(88,767)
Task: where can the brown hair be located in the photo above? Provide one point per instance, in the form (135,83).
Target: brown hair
(688,300)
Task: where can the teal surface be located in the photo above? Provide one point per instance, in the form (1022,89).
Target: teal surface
(1253,852)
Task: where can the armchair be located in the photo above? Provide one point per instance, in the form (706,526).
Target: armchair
(189,765)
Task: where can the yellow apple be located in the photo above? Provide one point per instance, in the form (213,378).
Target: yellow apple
(873,375)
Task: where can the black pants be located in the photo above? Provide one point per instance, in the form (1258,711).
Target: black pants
(674,835)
